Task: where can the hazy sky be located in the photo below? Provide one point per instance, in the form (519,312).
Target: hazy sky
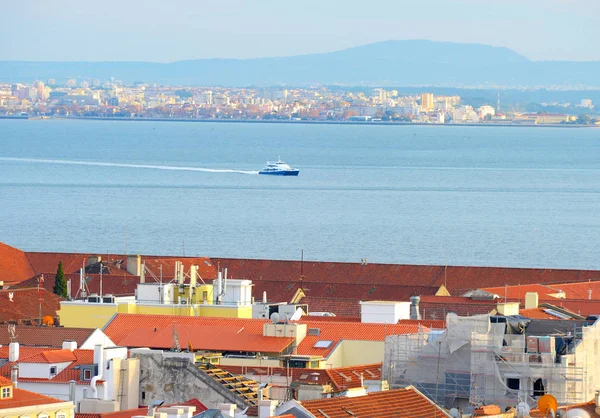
(170,30)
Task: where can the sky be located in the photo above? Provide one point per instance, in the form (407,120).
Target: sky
(172,30)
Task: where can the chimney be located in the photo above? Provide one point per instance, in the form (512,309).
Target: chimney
(14,375)
(531,300)
(266,408)
(193,275)
(589,294)
(414,307)
(69,345)
(72,391)
(143,273)
(13,352)
(227,409)
(134,265)
(93,259)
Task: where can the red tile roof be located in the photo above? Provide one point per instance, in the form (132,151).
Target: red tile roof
(455,277)
(537,313)
(52,356)
(302,375)
(436,307)
(14,265)
(204,333)
(26,398)
(119,284)
(407,402)
(344,378)
(578,306)
(338,331)
(234,334)
(518,292)
(25,305)
(582,290)
(45,336)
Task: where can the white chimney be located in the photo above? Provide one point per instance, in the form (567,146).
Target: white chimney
(134,265)
(266,408)
(69,345)
(143,273)
(531,300)
(227,409)
(13,351)
(265,296)
(590,294)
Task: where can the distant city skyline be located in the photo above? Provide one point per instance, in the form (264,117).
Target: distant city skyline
(158,31)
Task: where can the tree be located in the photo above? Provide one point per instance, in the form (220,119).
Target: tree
(60,283)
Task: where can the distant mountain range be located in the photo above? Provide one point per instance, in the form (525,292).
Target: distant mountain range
(390,63)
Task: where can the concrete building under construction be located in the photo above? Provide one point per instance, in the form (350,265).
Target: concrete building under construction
(506,360)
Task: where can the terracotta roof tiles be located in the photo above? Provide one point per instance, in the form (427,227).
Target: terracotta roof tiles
(14,265)
(407,402)
(454,277)
(26,398)
(45,336)
(25,305)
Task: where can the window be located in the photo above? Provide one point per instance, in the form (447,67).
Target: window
(87,374)
(514,384)
(42,415)
(323,344)
(6,392)
(61,414)
(52,370)
(143,395)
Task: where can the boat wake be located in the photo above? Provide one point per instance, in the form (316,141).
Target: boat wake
(144,166)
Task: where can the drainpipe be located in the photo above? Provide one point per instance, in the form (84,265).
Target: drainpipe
(99,360)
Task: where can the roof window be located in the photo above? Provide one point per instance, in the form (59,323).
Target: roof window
(323,344)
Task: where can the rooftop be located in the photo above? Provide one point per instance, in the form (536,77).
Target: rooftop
(407,402)
(45,336)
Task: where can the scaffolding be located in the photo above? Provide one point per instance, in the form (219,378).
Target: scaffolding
(473,362)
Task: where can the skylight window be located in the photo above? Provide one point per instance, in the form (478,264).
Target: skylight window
(323,344)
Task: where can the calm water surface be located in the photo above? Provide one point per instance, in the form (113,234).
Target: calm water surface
(400,194)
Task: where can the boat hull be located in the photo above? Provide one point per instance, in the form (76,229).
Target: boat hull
(280,173)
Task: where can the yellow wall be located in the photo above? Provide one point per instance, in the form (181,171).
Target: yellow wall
(96,315)
(53,410)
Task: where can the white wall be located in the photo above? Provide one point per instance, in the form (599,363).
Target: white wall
(97,338)
(40,370)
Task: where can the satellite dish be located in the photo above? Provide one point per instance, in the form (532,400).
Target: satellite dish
(578,413)
(454,413)
(275,317)
(523,409)
(547,403)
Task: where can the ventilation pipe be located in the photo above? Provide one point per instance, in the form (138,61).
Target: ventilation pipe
(14,375)
(193,276)
(265,297)
(98,360)
(597,402)
(219,287)
(72,391)
(414,307)
(589,294)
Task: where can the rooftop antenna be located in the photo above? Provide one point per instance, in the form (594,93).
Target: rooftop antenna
(101,279)
(302,269)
